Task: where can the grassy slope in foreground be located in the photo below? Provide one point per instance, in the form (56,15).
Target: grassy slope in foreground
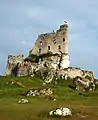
(83,106)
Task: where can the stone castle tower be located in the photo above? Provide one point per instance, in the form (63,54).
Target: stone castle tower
(12,63)
(55,42)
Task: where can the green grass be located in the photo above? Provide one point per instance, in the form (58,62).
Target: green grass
(38,107)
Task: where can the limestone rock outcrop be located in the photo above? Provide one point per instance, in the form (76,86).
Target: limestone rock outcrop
(37,92)
(84,84)
(72,72)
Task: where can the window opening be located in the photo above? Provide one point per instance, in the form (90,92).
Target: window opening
(39,50)
(59,46)
(63,33)
(48,47)
(63,39)
(54,41)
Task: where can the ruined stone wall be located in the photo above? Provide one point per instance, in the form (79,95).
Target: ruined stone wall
(56,42)
(72,72)
(12,63)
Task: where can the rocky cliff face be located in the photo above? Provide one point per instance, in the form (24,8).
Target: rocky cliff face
(49,68)
(50,71)
(34,63)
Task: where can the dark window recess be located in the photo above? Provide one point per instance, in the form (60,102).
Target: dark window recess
(45,34)
(59,46)
(48,47)
(39,50)
(63,39)
(63,33)
(54,41)
(15,70)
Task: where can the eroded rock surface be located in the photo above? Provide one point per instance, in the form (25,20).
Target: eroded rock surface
(37,92)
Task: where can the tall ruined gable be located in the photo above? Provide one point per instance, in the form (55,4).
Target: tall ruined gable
(55,42)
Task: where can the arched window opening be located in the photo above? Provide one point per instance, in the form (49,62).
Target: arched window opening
(59,47)
(48,47)
(54,41)
(63,39)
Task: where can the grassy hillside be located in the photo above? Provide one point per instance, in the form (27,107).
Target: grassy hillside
(83,106)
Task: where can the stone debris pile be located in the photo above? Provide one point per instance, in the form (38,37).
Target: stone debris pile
(23,101)
(60,112)
(37,92)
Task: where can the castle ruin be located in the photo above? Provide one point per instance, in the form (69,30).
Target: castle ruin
(12,63)
(55,42)
(49,58)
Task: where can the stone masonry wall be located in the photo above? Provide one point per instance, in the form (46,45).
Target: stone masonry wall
(56,42)
(12,63)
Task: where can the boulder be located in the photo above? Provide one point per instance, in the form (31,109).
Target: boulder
(23,101)
(84,84)
(61,112)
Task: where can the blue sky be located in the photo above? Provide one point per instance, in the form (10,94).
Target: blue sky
(22,20)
